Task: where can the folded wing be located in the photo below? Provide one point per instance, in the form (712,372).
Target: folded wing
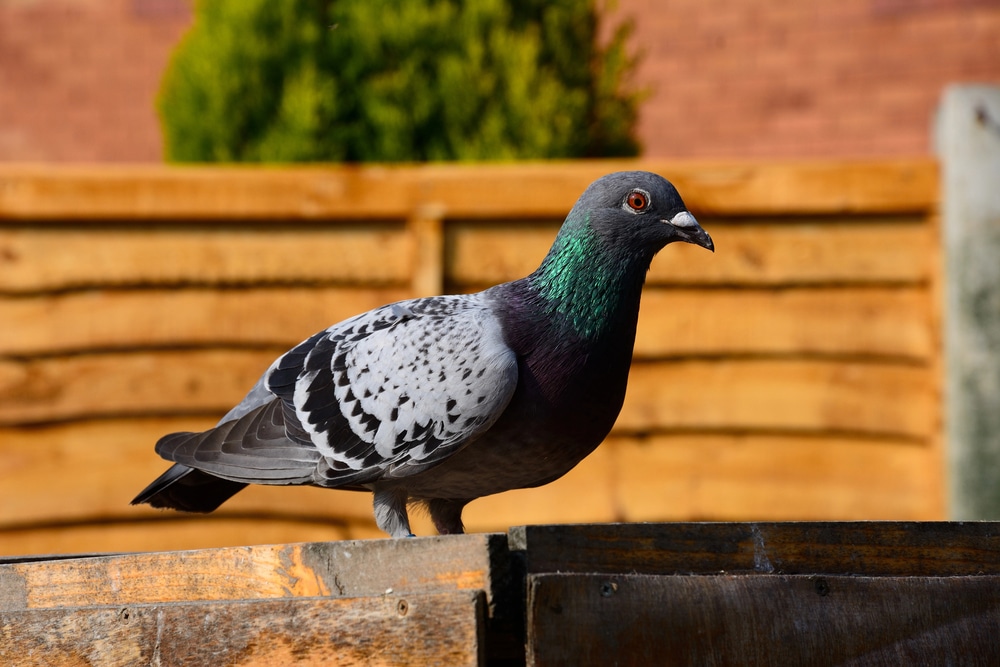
(382,395)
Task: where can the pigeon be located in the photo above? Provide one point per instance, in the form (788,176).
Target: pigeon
(437,401)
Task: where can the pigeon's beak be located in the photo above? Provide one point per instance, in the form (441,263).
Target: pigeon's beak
(689,230)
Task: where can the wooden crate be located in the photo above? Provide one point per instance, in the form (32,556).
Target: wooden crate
(794,374)
(865,593)
(375,602)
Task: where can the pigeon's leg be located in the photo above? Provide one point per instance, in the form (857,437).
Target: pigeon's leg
(390,511)
(447,515)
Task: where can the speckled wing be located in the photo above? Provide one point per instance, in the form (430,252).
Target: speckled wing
(382,395)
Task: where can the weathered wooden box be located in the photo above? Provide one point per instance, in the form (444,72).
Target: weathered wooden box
(866,593)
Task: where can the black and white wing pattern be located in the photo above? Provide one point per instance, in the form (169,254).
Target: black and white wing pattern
(382,395)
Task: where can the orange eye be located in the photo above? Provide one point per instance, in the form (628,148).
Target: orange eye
(637,201)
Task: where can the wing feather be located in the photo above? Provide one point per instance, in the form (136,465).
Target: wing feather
(384,394)
(396,390)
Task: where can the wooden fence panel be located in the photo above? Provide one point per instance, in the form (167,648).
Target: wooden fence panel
(871,321)
(46,255)
(779,250)
(814,395)
(495,191)
(772,477)
(796,369)
(783,395)
(878,323)
(134,319)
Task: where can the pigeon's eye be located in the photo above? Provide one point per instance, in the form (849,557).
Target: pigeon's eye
(637,201)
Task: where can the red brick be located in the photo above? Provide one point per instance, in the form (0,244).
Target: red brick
(78,78)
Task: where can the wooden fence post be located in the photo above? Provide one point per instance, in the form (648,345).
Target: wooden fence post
(969,148)
(426,227)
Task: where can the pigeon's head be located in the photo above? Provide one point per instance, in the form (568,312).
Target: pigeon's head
(638,211)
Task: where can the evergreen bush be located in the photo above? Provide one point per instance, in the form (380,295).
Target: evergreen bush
(374,80)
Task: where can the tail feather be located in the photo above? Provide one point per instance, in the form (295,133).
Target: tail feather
(189,490)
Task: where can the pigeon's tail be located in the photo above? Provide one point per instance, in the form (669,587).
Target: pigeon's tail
(189,490)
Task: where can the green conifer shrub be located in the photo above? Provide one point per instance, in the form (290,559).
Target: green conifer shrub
(375,80)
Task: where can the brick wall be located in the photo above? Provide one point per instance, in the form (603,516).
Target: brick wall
(727,78)
(805,77)
(78,77)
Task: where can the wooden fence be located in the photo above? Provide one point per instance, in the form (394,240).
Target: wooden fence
(794,374)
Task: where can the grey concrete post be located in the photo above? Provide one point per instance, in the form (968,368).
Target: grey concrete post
(968,144)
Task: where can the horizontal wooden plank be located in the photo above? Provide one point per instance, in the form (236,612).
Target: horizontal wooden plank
(740,394)
(41,258)
(775,620)
(504,190)
(851,321)
(232,192)
(809,186)
(706,186)
(144,383)
(795,251)
(98,467)
(480,254)
(443,629)
(658,478)
(869,548)
(892,322)
(352,568)
(105,320)
(690,477)
(172,532)
(89,471)
(820,396)
(772,477)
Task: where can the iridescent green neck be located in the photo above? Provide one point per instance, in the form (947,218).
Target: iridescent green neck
(584,284)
